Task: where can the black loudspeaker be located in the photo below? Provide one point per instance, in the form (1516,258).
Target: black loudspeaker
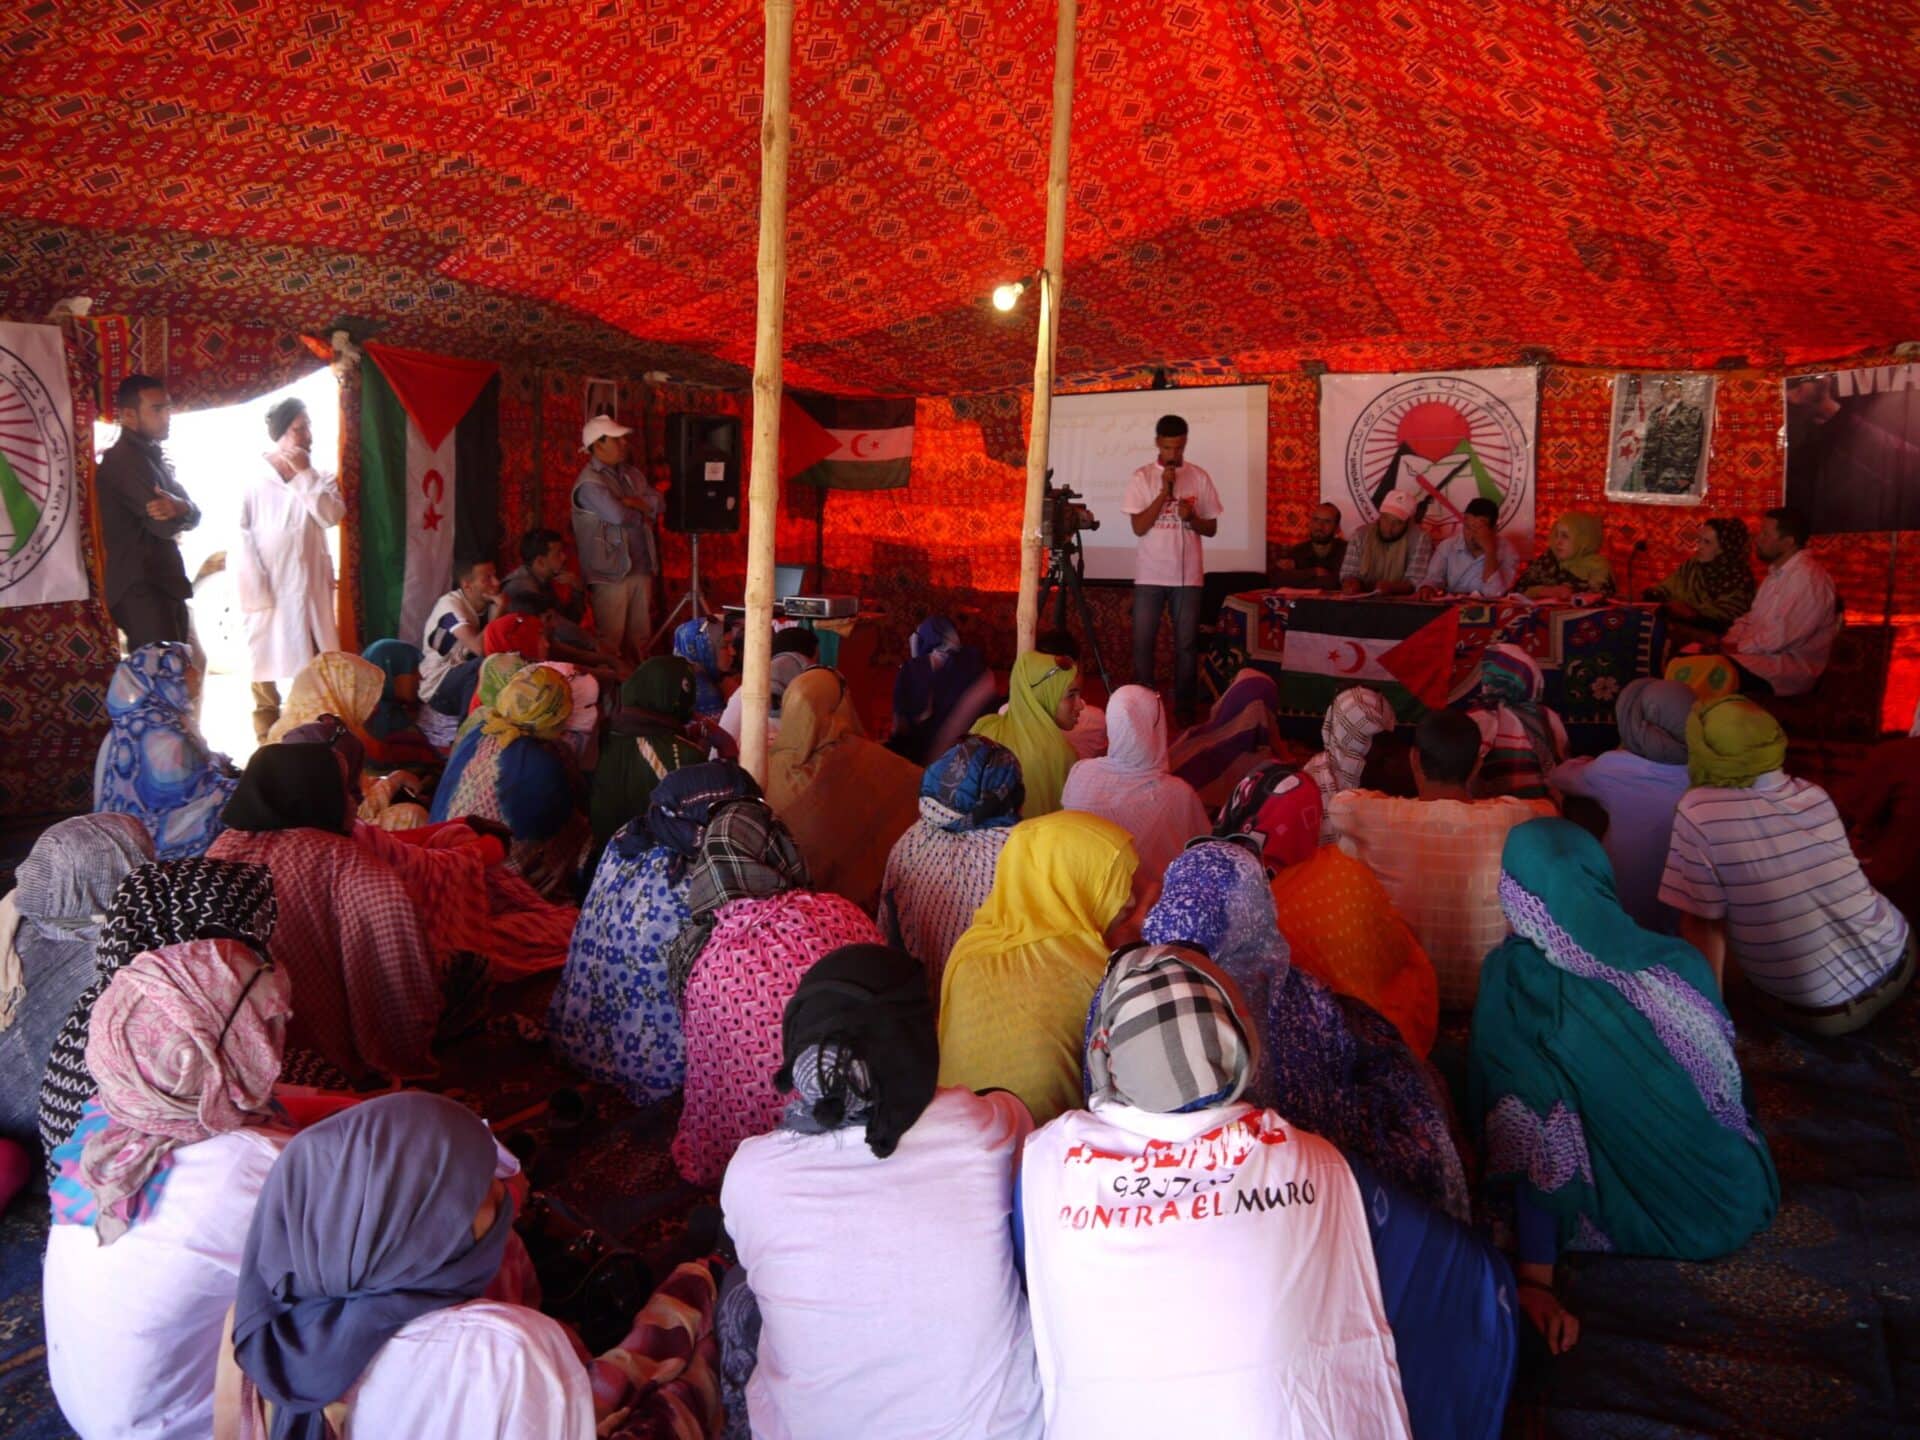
(703,456)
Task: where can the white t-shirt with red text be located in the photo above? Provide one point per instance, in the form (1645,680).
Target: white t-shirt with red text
(1169,553)
(1209,1273)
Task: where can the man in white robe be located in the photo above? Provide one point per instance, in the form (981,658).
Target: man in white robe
(281,565)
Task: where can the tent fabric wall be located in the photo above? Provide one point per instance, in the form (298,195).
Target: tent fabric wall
(1375,186)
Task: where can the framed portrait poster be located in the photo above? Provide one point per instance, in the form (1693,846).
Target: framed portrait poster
(1662,438)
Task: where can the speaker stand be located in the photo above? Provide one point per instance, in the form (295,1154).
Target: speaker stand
(693,603)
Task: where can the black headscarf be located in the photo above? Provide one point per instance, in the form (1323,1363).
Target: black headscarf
(291,787)
(864,1010)
(678,810)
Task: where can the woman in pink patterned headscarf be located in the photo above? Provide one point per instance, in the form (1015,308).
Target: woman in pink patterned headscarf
(153,1193)
(186,1044)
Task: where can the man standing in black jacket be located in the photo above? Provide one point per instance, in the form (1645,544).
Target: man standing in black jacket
(142,511)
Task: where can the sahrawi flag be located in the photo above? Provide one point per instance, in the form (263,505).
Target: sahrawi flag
(429,481)
(1403,650)
(846,442)
(40,559)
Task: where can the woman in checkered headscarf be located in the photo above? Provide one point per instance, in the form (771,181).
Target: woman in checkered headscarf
(1356,1311)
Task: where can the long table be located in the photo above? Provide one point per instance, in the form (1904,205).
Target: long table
(1589,653)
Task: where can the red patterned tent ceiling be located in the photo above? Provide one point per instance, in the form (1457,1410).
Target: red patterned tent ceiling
(1256,182)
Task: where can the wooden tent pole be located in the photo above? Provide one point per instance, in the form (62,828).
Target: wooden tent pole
(763,496)
(1032,541)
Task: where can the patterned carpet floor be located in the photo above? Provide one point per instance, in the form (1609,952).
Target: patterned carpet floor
(1812,1331)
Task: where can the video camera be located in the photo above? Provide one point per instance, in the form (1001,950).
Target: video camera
(1064,514)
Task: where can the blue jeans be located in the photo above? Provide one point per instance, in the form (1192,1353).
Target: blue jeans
(1184,601)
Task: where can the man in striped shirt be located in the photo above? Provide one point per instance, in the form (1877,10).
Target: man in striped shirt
(1760,863)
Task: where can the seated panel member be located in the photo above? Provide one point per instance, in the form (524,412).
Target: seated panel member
(1782,643)
(1390,556)
(1475,560)
(1314,564)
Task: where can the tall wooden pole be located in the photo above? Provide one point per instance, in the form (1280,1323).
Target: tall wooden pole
(763,496)
(1032,542)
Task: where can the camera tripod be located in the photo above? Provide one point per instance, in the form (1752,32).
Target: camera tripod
(1066,564)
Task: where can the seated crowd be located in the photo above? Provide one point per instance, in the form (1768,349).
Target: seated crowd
(1032,1016)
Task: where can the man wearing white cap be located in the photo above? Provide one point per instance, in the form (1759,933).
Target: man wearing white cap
(1388,557)
(613,513)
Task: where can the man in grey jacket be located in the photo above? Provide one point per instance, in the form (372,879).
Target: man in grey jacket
(613,513)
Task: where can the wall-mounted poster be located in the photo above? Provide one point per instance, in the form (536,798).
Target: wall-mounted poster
(1662,438)
(1443,437)
(1853,448)
(603,398)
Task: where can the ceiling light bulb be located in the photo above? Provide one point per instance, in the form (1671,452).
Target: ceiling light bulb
(1005,297)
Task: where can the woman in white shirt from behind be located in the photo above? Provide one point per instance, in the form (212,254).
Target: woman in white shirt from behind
(873,1230)
(358,1309)
(153,1193)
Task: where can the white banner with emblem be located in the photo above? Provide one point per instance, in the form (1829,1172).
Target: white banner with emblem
(1444,437)
(41,562)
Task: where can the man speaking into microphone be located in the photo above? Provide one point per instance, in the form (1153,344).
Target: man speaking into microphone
(1172,505)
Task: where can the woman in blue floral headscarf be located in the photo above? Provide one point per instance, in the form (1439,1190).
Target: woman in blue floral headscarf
(615,1015)
(153,764)
(1330,1064)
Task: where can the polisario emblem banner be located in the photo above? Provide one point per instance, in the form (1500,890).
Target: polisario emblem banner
(41,562)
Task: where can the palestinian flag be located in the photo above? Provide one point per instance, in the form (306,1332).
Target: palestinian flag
(429,481)
(846,442)
(1405,651)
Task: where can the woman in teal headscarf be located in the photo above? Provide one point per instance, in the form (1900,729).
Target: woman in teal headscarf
(393,729)
(1603,1078)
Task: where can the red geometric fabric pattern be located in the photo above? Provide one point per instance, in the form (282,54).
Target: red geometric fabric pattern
(1372,183)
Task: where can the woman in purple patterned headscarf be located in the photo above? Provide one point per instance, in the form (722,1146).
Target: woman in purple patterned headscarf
(1329,1063)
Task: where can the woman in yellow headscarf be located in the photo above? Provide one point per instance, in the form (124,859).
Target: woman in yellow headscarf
(517,771)
(342,684)
(1042,705)
(1014,996)
(845,799)
(1572,562)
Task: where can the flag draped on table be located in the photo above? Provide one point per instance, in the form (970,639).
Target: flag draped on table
(429,481)
(40,556)
(1444,438)
(846,442)
(1403,649)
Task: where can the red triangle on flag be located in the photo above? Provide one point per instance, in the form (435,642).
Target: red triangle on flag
(434,390)
(804,441)
(1423,662)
